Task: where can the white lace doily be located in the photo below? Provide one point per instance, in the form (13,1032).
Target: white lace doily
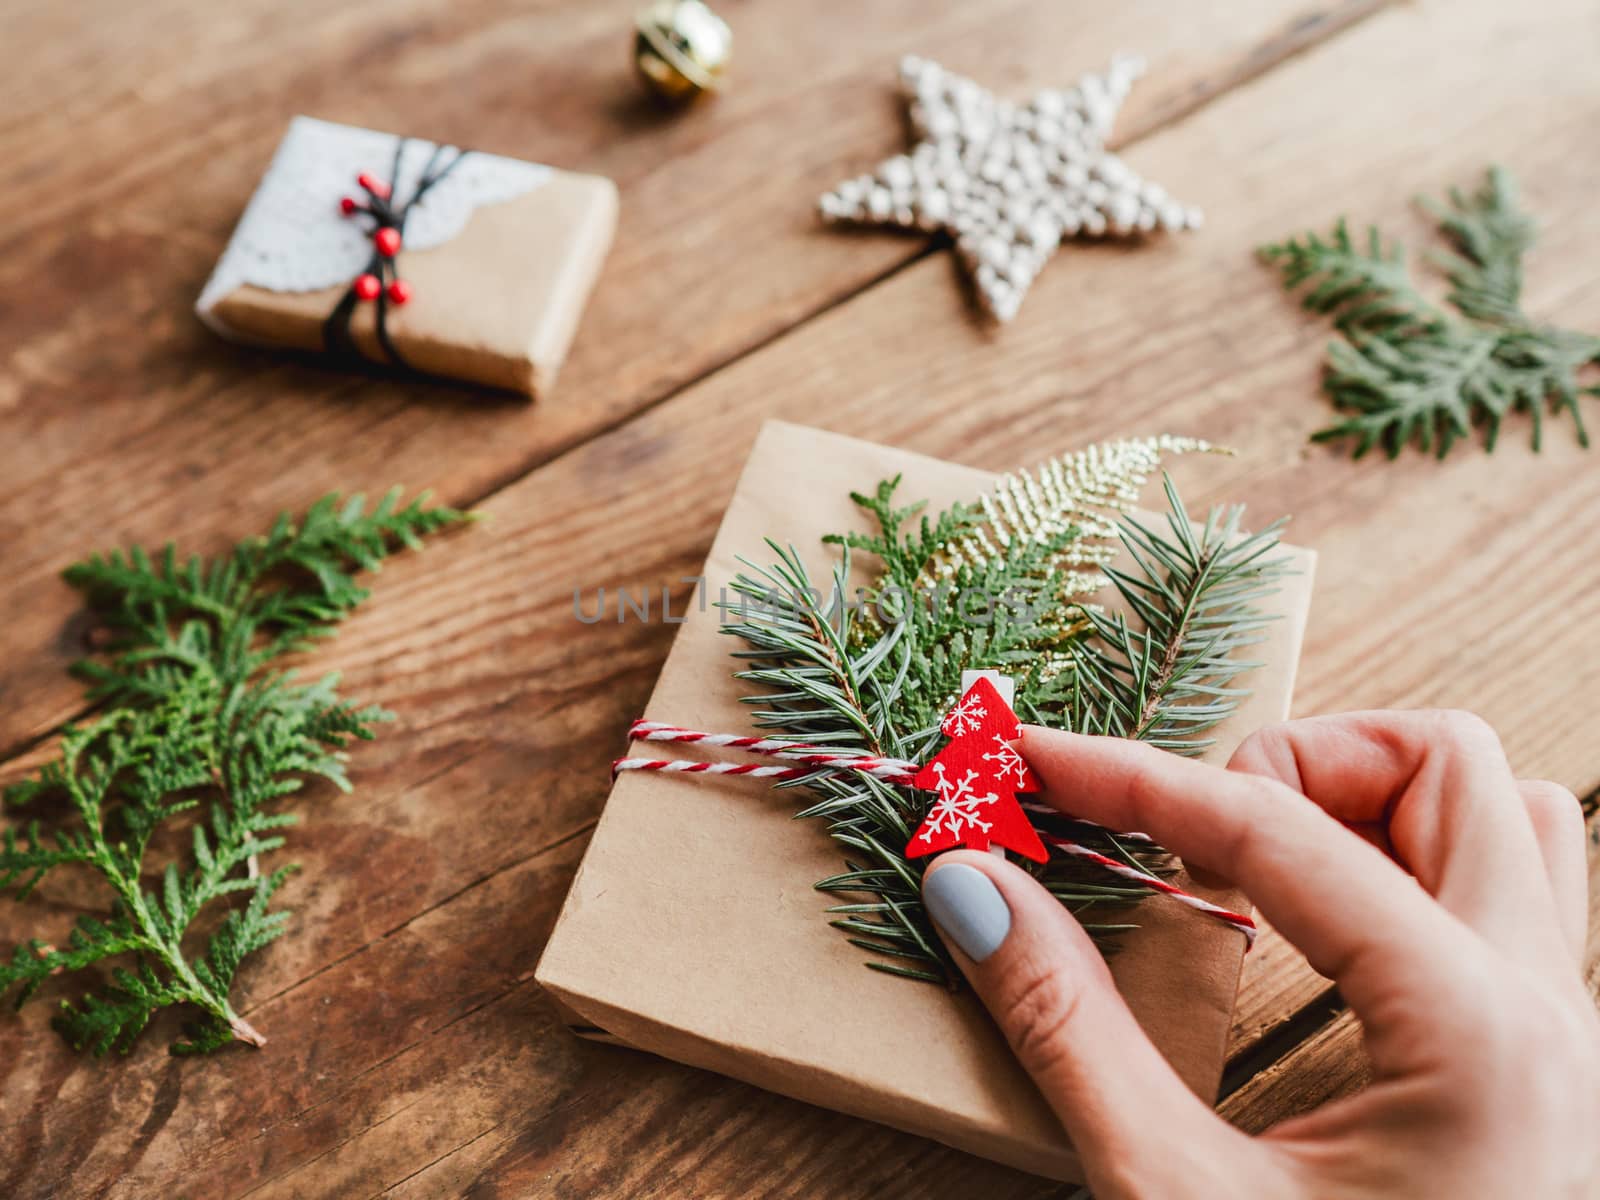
(293,238)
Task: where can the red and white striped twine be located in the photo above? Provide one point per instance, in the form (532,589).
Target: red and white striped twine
(890,770)
(1238,920)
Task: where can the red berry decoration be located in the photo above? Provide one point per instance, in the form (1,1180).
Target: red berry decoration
(346,205)
(399,291)
(367,287)
(376,186)
(387,241)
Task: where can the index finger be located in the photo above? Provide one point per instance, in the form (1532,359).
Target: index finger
(1439,787)
(1356,915)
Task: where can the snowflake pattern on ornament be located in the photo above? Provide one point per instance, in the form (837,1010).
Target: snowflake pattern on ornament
(966,717)
(955,812)
(976,787)
(1008,763)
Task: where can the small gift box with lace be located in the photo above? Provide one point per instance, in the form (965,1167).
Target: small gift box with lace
(426,258)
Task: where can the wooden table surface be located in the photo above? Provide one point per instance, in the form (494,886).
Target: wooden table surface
(410,1052)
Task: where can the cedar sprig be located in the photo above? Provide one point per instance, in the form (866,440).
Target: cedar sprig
(169,616)
(198,728)
(875,670)
(1409,371)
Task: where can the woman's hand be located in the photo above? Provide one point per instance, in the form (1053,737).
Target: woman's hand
(1446,898)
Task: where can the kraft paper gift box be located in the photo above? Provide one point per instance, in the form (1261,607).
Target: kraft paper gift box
(498,258)
(692,929)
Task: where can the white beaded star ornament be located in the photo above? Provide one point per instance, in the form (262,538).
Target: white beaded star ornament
(1009,181)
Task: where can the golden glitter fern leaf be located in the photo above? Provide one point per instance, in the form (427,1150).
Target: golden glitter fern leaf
(1074,501)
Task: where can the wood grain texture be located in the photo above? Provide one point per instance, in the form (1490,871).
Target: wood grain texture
(409,1048)
(1274,985)
(1327,1065)
(140,150)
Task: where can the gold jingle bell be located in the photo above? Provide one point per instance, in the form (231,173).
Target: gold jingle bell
(680,48)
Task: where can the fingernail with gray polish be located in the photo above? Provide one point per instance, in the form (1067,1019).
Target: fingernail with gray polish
(969,908)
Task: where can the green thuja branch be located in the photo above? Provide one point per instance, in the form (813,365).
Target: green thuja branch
(198,728)
(874,669)
(1409,371)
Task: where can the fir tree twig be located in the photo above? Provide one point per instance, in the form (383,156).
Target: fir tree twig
(877,670)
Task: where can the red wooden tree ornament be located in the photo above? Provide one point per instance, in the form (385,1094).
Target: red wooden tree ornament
(977,777)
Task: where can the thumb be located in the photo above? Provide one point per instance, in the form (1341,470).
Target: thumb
(1136,1126)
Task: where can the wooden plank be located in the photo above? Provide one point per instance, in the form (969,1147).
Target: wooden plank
(122,419)
(508,718)
(1274,985)
(472,1059)
(1327,1065)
